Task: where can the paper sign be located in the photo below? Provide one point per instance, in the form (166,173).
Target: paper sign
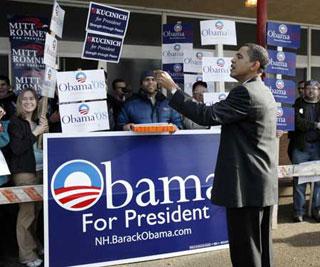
(50,51)
(285,119)
(283,90)
(102,48)
(57,19)
(217,69)
(48,86)
(84,117)
(192,60)
(177,33)
(81,85)
(107,20)
(218,32)
(175,71)
(282,63)
(284,35)
(174,53)
(190,79)
(211,98)
(4,170)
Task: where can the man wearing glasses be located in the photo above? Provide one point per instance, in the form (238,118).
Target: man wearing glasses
(120,92)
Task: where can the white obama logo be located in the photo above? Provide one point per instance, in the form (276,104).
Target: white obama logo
(77,185)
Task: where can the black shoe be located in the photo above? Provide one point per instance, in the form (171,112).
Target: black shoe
(316,214)
(298,218)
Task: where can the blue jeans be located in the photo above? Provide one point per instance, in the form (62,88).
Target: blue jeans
(311,152)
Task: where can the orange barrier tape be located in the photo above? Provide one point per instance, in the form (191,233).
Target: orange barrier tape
(18,194)
(31,193)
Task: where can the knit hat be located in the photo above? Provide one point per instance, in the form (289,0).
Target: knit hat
(146,74)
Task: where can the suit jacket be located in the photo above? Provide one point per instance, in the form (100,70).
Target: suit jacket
(246,168)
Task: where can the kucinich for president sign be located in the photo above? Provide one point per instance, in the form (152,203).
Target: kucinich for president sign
(102,47)
(116,197)
(108,20)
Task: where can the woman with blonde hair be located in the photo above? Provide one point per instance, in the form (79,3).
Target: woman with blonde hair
(24,128)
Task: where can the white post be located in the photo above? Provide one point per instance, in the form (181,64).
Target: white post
(219,53)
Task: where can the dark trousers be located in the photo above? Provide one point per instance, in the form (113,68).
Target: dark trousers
(250,238)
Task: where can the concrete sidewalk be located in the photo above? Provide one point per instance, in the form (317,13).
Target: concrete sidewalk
(295,245)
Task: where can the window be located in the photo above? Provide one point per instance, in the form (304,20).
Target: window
(130,70)
(315,48)
(4,65)
(143,29)
(72,64)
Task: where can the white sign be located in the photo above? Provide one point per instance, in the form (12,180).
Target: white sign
(57,19)
(81,85)
(173,53)
(308,179)
(211,98)
(50,51)
(218,32)
(192,60)
(48,85)
(217,69)
(84,117)
(4,170)
(190,79)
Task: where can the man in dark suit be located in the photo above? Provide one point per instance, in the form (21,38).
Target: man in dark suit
(246,173)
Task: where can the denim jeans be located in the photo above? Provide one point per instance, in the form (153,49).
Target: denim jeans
(311,152)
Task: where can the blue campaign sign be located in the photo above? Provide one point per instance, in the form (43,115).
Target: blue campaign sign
(282,90)
(27,38)
(118,197)
(102,47)
(285,35)
(282,63)
(177,33)
(285,119)
(28,28)
(107,20)
(175,71)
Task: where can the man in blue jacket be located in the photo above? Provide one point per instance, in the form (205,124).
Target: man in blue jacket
(148,106)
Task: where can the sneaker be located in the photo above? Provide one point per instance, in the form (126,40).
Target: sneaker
(35,263)
(297,218)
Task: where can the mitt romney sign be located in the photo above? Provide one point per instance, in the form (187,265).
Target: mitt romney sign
(120,197)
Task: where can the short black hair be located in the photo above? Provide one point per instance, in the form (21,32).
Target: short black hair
(258,53)
(5,78)
(117,81)
(202,83)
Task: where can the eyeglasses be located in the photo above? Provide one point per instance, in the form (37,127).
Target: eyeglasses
(124,89)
